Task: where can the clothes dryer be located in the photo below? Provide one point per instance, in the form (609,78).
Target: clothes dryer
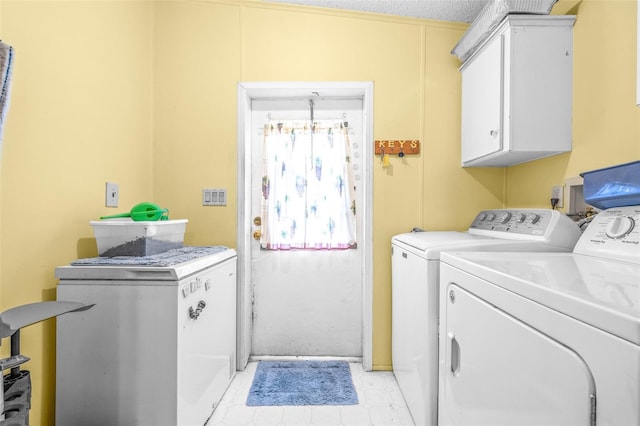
(415,283)
(544,338)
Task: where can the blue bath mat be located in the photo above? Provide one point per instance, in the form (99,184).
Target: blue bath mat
(302,383)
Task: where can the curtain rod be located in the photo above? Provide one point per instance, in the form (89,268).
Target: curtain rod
(302,98)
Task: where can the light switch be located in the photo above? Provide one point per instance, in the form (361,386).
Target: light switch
(111,195)
(214,197)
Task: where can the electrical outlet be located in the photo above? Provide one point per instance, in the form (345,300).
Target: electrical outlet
(111,194)
(557,192)
(574,195)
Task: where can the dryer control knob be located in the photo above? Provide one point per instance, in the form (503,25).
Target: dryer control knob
(619,227)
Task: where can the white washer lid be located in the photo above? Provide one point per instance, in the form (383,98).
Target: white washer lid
(424,241)
(599,292)
(430,244)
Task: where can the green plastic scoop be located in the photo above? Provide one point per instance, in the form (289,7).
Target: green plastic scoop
(143,211)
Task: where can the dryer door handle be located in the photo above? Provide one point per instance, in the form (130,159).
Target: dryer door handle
(454,350)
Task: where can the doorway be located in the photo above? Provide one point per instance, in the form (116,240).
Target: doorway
(281,310)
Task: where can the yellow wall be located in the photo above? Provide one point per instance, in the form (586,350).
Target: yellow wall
(143,93)
(606,122)
(80,115)
(197,68)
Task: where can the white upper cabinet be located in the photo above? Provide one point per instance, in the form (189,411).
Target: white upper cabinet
(517,92)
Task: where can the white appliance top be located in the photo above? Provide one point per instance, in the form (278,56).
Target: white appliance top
(499,229)
(598,284)
(134,270)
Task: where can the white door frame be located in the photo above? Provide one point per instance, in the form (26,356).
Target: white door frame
(300,90)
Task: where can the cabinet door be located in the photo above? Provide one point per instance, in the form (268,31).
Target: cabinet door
(482,103)
(499,371)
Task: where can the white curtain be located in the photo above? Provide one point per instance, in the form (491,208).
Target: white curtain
(308,197)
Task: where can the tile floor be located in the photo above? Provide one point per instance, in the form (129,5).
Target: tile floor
(381,404)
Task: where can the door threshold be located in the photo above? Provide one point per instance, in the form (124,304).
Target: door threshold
(255,358)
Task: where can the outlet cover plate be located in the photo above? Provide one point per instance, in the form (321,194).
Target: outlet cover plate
(557,192)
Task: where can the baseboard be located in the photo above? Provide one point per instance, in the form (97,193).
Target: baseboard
(255,358)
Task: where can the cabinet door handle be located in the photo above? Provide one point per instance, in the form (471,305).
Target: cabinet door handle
(455,354)
(493,132)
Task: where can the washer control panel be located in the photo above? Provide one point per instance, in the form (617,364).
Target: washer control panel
(528,222)
(613,234)
(546,225)
(522,221)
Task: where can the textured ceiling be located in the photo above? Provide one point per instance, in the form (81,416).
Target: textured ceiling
(441,10)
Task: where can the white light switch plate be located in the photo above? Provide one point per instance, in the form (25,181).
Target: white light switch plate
(214,197)
(111,194)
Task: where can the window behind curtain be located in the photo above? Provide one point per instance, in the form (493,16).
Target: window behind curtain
(308,195)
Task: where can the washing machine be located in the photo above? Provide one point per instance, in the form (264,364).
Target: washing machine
(544,338)
(415,288)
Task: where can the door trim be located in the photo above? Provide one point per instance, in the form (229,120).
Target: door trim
(299,90)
